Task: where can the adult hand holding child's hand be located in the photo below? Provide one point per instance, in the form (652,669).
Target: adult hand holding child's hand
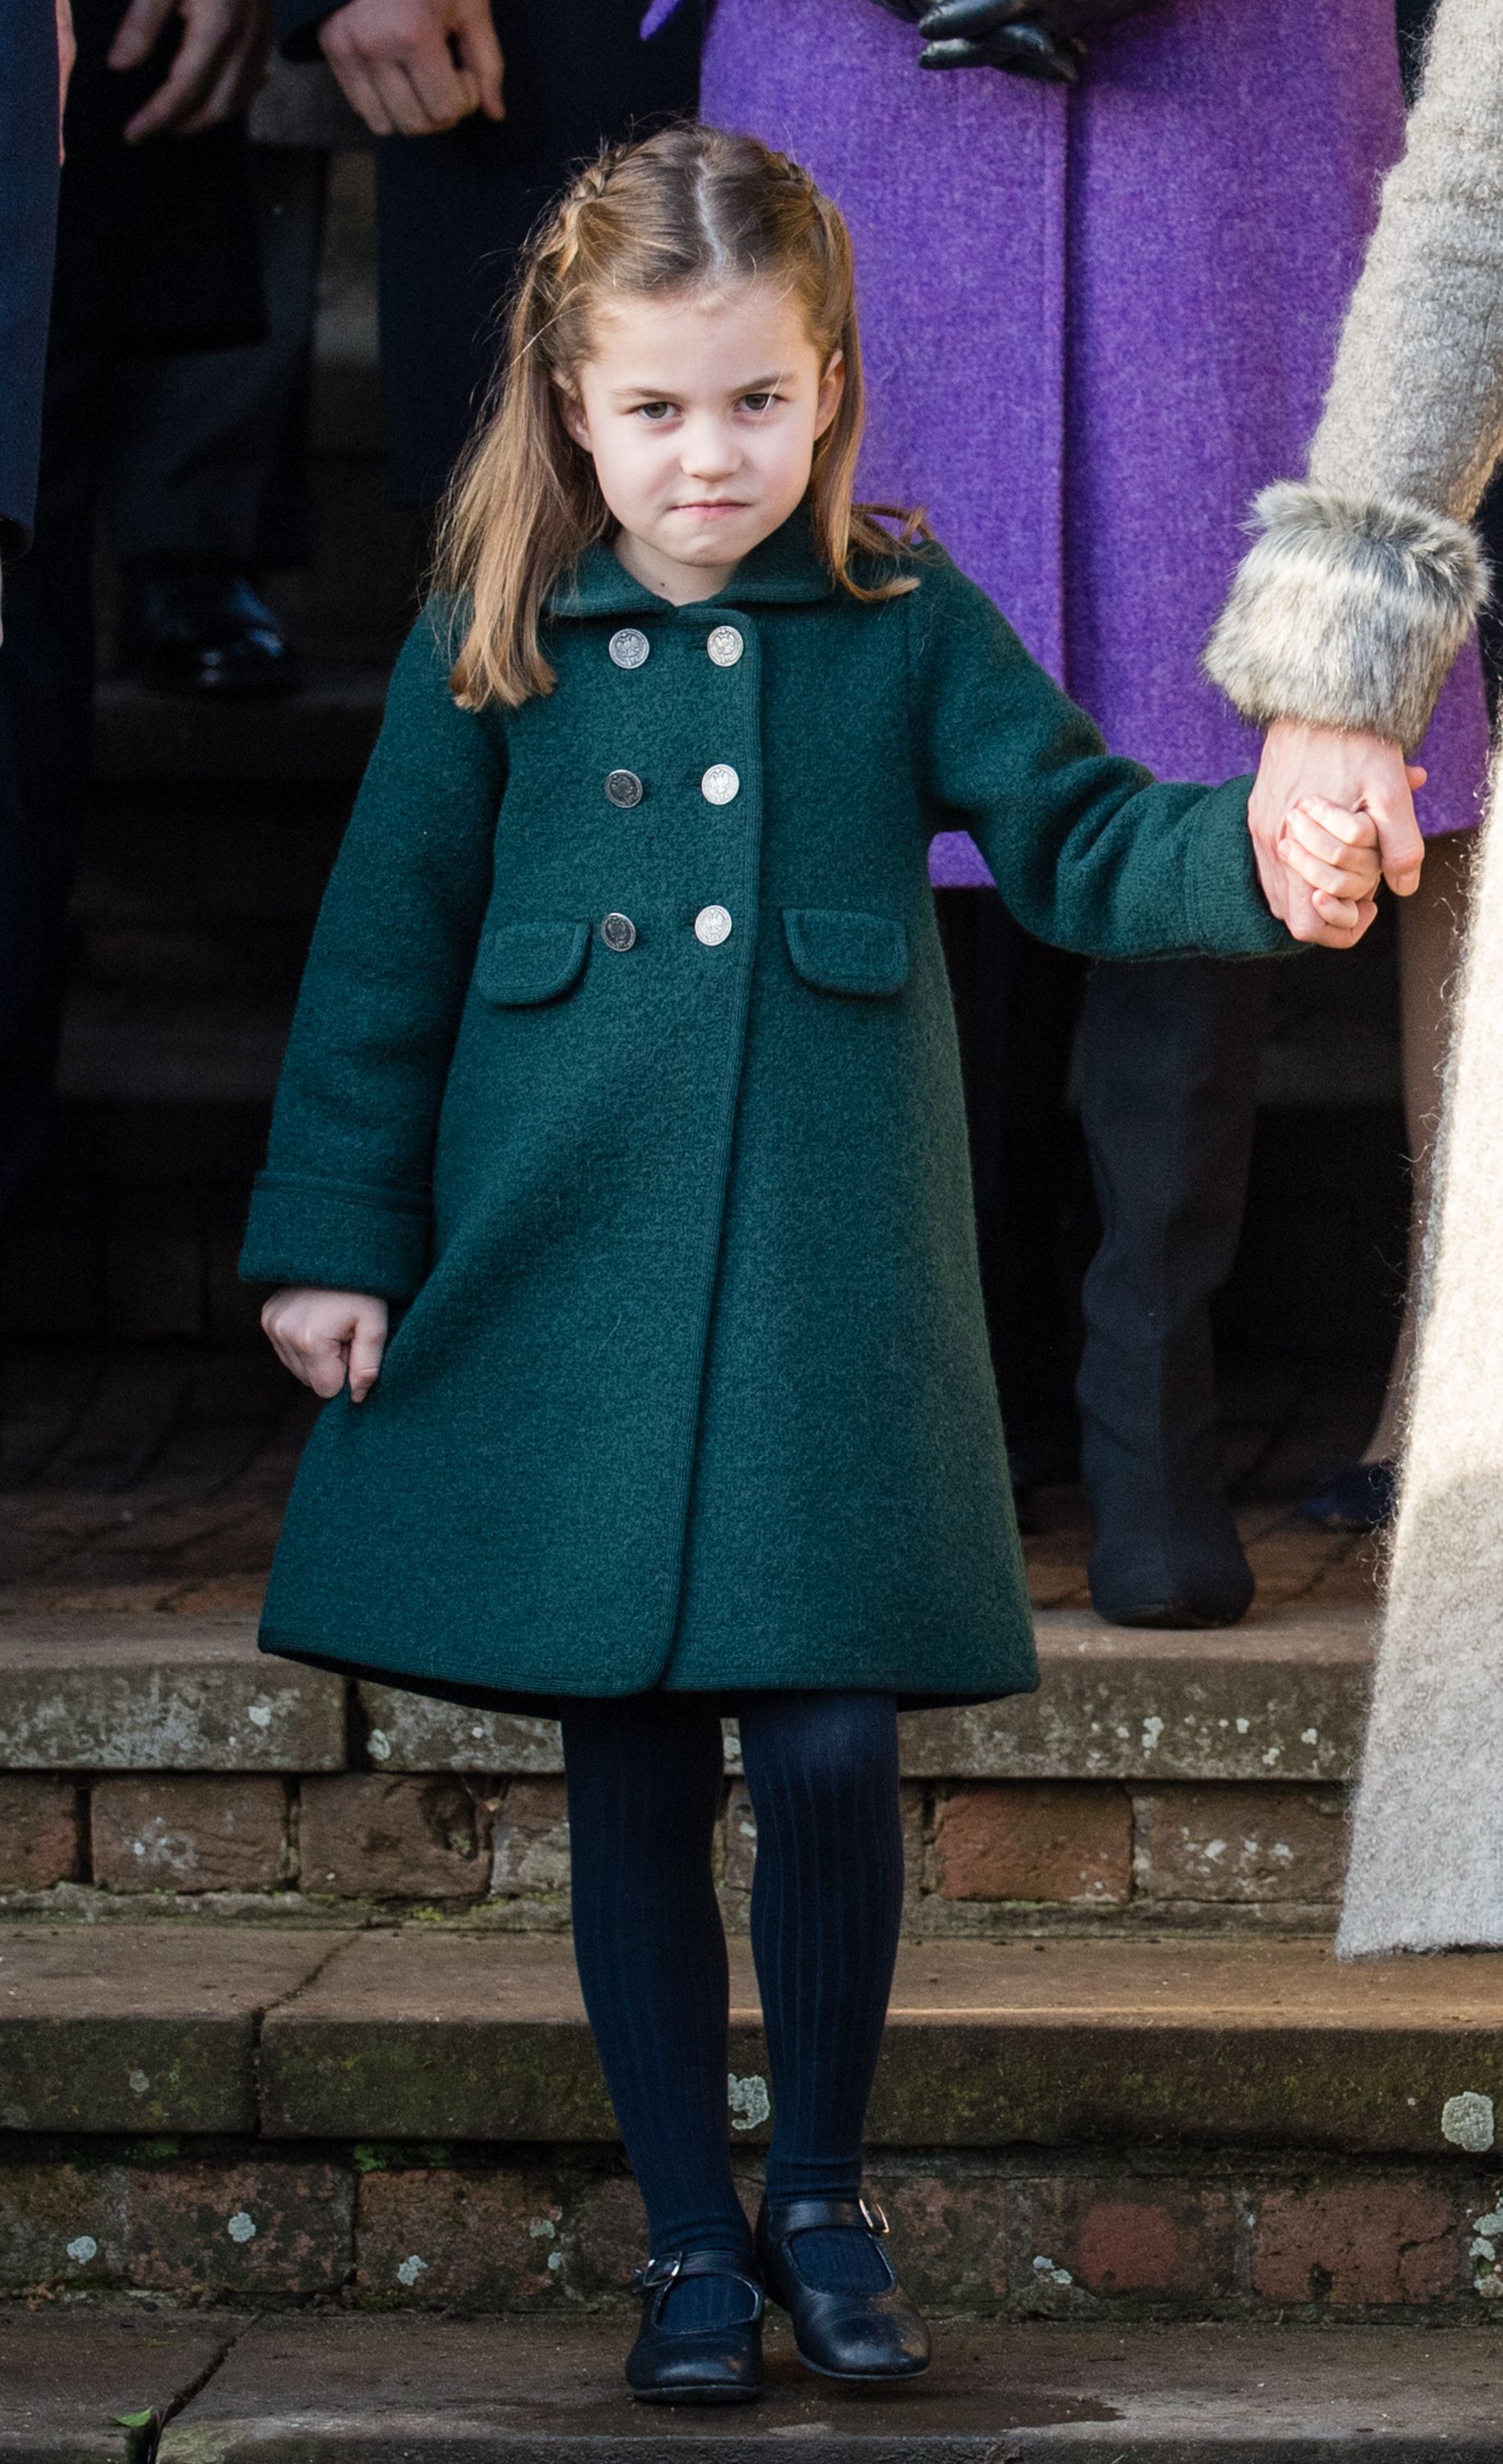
(1364,776)
(1332,857)
(321,1336)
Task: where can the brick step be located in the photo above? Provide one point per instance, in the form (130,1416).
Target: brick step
(234,2389)
(1155,1778)
(1083,2131)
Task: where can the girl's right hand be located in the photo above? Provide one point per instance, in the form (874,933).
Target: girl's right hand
(321,1336)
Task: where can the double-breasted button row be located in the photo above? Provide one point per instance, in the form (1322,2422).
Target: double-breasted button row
(712,926)
(630,646)
(720,784)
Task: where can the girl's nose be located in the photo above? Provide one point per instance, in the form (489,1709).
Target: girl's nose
(709,450)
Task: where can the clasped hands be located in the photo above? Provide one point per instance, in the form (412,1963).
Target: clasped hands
(1035,38)
(1332,814)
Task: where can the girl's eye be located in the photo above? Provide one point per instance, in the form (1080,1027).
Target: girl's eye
(655,413)
(758,401)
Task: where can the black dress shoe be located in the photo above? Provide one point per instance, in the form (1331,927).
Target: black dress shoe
(875,2335)
(695,2365)
(204,633)
(1175,1564)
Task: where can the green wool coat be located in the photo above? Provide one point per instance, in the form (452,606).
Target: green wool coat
(690,1384)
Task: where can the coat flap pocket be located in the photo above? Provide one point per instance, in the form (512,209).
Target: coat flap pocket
(530,963)
(838,951)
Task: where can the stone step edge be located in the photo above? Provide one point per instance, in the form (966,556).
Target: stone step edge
(235,2391)
(410,2036)
(1281,1698)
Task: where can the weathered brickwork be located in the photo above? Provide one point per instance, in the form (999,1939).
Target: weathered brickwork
(159,1831)
(980,2235)
(42,1836)
(1027,1840)
(455,1837)
(1239,1845)
(532,1838)
(364,1837)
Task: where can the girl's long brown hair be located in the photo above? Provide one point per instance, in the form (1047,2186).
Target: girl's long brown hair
(687,210)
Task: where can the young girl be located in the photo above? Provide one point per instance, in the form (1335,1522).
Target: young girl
(624,1068)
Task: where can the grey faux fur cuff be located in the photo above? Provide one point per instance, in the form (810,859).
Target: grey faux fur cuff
(1346,612)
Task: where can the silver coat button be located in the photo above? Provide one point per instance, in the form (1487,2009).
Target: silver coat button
(712,926)
(725,646)
(630,649)
(720,784)
(617,932)
(624,788)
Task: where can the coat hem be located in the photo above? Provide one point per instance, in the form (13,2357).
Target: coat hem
(551,1706)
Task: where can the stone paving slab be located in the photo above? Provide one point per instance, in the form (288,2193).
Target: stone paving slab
(66,2377)
(403,2391)
(139,2030)
(1282,1697)
(409,2035)
(94,1692)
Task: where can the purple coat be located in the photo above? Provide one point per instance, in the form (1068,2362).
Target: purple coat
(1095,324)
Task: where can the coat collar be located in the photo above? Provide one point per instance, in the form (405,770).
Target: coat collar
(784,569)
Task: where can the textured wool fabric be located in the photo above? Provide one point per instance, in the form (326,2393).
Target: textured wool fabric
(643,1790)
(1414,417)
(1096,323)
(692,1384)
(1416,410)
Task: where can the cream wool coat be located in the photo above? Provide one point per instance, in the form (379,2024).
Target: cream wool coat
(1348,611)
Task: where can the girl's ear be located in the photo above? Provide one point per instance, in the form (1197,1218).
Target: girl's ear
(572,412)
(831,386)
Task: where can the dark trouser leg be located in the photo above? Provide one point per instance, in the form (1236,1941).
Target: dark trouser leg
(1169,1094)
(202,471)
(1016,1007)
(47,683)
(827,1902)
(644,1793)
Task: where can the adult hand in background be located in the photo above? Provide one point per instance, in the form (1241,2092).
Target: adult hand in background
(1366,774)
(413,67)
(214,72)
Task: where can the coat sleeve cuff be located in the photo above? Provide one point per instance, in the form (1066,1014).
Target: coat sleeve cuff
(1228,913)
(336,1236)
(1347,611)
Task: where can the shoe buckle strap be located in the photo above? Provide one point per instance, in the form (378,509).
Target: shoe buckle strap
(658,2271)
(875,2217)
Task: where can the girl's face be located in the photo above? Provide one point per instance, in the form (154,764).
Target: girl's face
(700,414)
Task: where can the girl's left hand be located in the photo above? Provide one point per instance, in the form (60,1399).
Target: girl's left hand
(1336,853)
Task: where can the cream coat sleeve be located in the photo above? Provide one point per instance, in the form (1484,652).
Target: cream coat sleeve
(1363,580)
(1349,610)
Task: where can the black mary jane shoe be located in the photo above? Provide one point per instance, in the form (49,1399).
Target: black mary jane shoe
(695,2365)
(866,2336)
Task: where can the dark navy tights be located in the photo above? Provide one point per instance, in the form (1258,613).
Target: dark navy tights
(643,1790)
